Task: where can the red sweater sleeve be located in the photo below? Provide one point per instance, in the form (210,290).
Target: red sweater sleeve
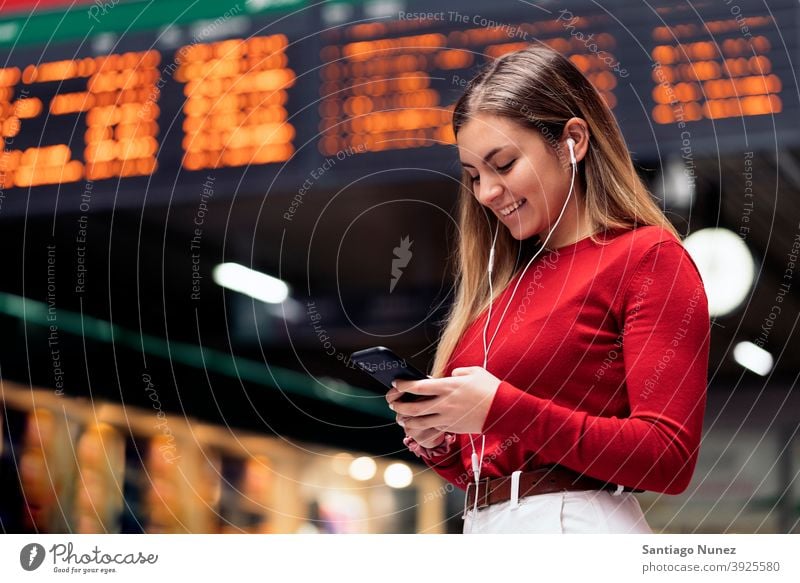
(665,343)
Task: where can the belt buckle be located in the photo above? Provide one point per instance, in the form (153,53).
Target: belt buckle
(483,501)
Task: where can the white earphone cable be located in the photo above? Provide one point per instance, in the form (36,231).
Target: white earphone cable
(491,292)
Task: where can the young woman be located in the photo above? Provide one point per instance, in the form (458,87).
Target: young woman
(572,368)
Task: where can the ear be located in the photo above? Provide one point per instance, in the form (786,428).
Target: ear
(577,129)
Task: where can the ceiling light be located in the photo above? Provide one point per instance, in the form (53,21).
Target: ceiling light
(255,284)
(726,266)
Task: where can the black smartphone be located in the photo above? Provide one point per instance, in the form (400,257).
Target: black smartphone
(385,366)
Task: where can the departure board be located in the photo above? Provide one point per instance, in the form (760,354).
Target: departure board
(235,102)
(263,99)
(234,109)
(130,125)
(716,69)
(390,85)
(721,76)
(111,93)
(713,80)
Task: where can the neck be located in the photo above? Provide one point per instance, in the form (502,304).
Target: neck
(574,225)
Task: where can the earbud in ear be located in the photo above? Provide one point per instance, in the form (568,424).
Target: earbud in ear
(571,146)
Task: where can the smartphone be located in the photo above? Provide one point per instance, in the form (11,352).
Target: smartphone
(385,366)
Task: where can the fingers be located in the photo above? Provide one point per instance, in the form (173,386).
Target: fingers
(415,408)
(429,386)
(416,429)
(428,437)
(418,423)
(392,395)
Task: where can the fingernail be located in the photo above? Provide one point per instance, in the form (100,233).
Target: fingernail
(391,406)
(394,384)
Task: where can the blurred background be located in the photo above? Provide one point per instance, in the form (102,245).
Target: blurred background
(206,206)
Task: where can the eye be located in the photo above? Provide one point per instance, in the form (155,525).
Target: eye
(507,167)
(475,179)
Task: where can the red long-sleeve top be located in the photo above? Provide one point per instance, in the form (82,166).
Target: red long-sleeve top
(603,358)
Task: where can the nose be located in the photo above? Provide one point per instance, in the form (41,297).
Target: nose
(489,191)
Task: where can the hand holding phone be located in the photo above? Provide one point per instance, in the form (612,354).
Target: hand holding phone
(385,366)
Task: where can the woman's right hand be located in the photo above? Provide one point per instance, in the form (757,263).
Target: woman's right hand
(426,437)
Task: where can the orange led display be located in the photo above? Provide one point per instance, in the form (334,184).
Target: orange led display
(713,79)
(377,95)
(123,88)
(378,92)
(236,94)
(119,112)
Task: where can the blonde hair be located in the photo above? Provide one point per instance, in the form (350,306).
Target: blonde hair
(539,89)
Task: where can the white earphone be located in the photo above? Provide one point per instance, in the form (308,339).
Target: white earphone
(477,462)
(571,145)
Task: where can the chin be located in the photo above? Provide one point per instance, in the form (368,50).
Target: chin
(521,234)
(514,232)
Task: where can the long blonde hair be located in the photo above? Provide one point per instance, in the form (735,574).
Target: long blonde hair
(539,89)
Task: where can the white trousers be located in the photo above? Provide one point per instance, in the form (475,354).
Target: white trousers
(580,511)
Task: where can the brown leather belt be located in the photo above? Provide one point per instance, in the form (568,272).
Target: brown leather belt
(541,481)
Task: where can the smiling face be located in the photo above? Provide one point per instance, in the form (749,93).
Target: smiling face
(519,177)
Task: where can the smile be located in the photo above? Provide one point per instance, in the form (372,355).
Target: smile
(510,209)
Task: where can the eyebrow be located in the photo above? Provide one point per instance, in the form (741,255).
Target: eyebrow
(486,158)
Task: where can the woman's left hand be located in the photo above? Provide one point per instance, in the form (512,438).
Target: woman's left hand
(458,403)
